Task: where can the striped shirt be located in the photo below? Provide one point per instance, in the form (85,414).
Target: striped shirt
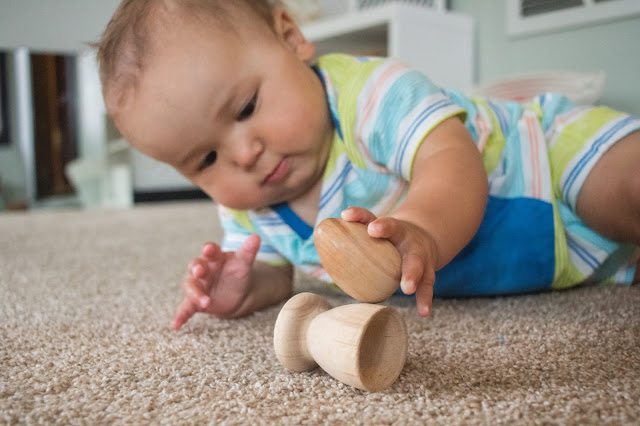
(536,156)
(373,102)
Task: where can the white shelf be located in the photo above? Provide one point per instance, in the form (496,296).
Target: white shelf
(352,29)
(438,43)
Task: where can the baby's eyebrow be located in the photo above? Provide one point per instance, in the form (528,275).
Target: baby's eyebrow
(240,87)
(226,105)
(183,162)
(229,96)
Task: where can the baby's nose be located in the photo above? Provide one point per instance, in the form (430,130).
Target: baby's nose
(248,152)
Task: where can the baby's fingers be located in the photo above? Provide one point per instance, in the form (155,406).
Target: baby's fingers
(185,310)
(418,277)
(389,228)
(249,249)
(358,214)
(424,294)
(198,268)
(211,251)
(412,273)
(193,292)
(201,267)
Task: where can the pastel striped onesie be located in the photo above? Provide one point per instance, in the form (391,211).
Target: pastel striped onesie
(536,156)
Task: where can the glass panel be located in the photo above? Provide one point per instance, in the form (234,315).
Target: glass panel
(536,7)
(4,101)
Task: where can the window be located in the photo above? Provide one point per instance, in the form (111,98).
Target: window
(525,17)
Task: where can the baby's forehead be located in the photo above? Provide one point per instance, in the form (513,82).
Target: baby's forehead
(227,15)
(169,15)
(167,21)
(196,18)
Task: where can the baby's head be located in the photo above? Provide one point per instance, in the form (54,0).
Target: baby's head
(128,41)
(222,91)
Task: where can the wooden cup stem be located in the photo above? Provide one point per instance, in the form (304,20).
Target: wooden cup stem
(362,345)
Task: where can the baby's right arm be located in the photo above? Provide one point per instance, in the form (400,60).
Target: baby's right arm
(232,284)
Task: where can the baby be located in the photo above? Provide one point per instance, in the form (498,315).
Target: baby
(480,197)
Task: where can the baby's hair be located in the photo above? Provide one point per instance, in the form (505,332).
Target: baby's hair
(126,41)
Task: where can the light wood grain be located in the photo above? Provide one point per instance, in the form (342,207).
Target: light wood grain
(290,332)
(363,345)
(366,268)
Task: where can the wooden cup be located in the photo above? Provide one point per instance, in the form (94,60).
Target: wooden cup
(362,345)
(366,268)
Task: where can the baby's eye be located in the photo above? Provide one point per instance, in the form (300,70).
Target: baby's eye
(208,160)
(247,111)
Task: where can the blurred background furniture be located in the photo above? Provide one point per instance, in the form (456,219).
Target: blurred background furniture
(462,44)
(581,88)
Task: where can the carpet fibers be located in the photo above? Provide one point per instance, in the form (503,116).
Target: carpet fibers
(86,304)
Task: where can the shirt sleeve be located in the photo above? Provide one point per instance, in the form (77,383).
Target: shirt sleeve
(237,226)
(390,112)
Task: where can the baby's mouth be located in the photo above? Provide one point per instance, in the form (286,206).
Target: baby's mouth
(278,173)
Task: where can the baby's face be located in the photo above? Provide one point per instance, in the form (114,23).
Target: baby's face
(239,114)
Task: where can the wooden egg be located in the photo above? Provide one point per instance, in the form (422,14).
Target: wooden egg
(362,345)
(366,268)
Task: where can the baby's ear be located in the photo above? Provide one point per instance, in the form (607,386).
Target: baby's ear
(288,31)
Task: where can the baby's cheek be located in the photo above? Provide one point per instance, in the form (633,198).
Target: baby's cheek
(232,189)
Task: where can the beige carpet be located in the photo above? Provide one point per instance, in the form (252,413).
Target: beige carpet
(85,338)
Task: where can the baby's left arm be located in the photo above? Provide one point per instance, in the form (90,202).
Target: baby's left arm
(443,210)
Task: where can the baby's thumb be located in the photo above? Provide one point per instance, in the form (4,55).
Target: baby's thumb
(249,249)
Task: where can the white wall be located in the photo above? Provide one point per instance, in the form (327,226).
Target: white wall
(613,48)
(58,26)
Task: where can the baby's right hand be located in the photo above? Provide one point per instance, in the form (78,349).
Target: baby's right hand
(218,282)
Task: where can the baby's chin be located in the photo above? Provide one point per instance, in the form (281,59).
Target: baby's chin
(264,199)
(248,204)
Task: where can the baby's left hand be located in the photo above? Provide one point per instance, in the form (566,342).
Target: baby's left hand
(417,249)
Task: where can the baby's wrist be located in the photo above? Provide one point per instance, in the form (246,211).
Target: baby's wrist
(271,287)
